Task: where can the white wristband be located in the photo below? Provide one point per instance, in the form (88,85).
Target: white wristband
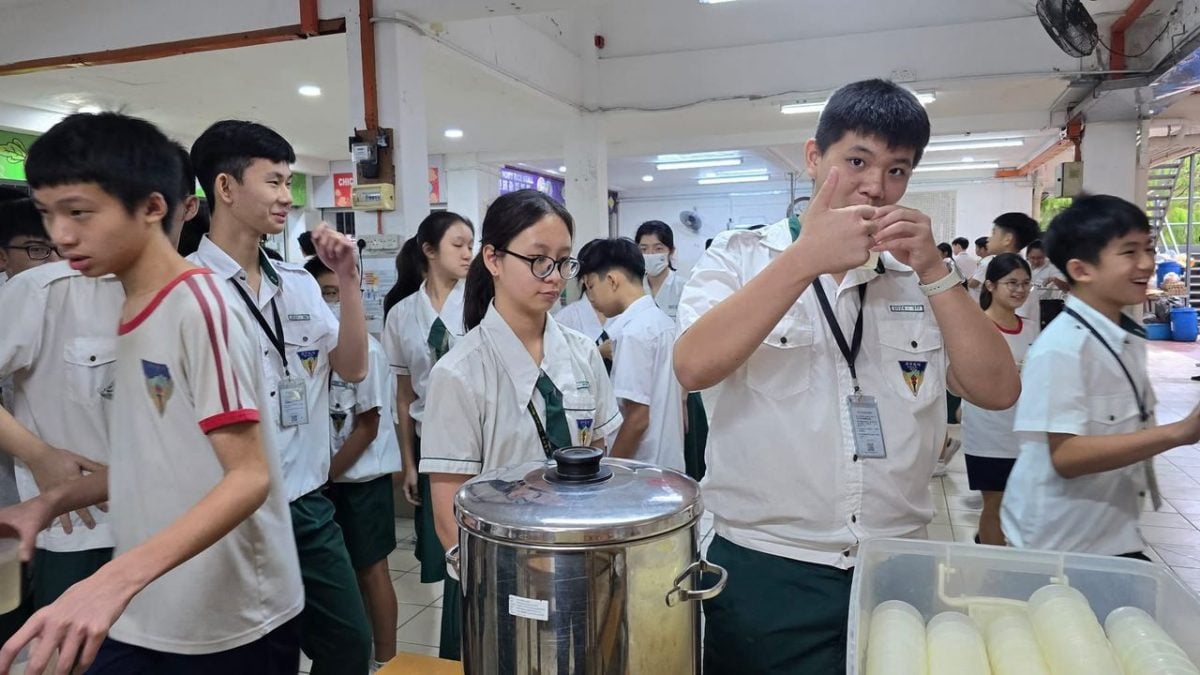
(952,279)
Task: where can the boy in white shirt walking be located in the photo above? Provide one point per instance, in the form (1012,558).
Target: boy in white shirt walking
(1086,414)
(188,465)
(643,336)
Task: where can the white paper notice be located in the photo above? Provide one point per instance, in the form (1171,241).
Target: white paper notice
(528,608)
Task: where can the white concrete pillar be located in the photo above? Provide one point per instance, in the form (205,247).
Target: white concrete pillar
(399,67)
(1110,160)
(471,186)
(586,158)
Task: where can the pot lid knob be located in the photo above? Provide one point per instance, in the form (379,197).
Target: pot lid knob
(578,465)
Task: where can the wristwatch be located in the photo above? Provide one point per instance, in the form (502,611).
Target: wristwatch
(953,278)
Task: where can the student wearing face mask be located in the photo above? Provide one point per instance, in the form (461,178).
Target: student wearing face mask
(365,455)
(657,242)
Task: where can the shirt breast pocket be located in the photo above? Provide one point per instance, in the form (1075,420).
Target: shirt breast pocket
(782,364)
(90,369)
(911,360)
(304,349)
(580,409)
(1114,413)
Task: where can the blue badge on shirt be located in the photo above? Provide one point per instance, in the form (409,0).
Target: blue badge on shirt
(158,384)
(585,430)
(309,359)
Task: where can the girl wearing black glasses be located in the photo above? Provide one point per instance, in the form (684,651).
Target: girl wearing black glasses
(517,386)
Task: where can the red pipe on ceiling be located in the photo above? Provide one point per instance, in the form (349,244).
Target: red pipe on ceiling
(1116,42)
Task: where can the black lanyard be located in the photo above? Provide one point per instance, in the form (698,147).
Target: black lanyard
(276,336)
(1143,414)
(849,352)
(546,447)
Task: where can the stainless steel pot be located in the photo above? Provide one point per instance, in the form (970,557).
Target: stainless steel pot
(581,566)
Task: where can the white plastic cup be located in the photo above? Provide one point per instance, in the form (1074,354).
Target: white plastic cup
(1072,641)
(955,646)
(896,640)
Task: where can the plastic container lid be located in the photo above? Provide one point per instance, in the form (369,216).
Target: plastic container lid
(580,499)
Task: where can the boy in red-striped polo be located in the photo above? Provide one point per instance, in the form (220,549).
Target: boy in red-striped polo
(205,577)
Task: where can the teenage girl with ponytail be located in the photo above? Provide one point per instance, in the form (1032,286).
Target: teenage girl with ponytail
(424,323)
(989,442)
(518,386)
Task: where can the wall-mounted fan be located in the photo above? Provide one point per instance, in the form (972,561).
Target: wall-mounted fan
(1069,25)
(690,220)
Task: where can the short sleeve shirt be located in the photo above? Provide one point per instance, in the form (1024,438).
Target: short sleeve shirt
(478,417)
(347,400)
(406,340)
(186,367)
(59,346)
(310,333)
(1072,385)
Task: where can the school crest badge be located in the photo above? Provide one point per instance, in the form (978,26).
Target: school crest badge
(338,417)
(585,430)
(158,384)
(309,359)
(914,374)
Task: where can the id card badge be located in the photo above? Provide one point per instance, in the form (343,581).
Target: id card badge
(868,429)
(293,403)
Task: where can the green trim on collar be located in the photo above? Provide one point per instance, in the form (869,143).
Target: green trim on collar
(268,269)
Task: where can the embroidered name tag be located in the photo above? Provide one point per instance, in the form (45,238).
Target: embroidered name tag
(299,317)
(582,385)
(907,309)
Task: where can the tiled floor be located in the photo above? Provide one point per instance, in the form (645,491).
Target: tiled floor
(1172,533)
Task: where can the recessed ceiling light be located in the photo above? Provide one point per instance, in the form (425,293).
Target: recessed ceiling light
(310,90)
(562,169)
(453,133)
(90,109)
(714,2)
(968,159)
(647,179)
(975,145)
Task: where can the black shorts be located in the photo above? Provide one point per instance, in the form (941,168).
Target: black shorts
(276,653)
(988,474)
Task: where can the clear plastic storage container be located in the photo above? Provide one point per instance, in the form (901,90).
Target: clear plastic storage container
(935,577)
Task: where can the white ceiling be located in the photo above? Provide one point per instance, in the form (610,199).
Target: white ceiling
(510,123)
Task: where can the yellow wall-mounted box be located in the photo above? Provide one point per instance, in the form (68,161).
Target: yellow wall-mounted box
(374,197)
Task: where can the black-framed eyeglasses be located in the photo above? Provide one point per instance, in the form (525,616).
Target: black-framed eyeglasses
(542,266)
(35,251)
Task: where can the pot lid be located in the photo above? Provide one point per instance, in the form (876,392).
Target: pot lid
(580,498)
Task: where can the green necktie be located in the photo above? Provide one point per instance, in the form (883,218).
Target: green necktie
(556,420)
(439,339)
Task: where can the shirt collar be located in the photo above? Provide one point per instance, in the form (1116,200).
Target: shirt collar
(1114,334)
(216,259)
(618,323)
(779,235)
(522,371)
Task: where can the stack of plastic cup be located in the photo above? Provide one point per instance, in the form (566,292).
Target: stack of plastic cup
(955,646)
(1073,643)
(1012,646)
(896,640)
(1143,646)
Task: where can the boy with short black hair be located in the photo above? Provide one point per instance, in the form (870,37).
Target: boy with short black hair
(244,170)
(963,258)
(24,243)
(981,247)
(205,579)
(1086,414)
(1011,233)
(365,455)
(830,413)
(643,336)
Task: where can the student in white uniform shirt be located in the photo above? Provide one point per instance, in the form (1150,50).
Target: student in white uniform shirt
(792,489)
(1050,286)
(963,258)
(420,329)
(582,316)
(643,337)
(243,168)
(365,455)
(1011,233)
(60,351)
(989,444)
(188,463)
(657,242)
(518,386)
(1086,415)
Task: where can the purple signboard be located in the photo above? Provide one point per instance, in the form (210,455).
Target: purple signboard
(512,180)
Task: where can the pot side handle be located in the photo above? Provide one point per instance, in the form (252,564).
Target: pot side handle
(677,594)
(452,560)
